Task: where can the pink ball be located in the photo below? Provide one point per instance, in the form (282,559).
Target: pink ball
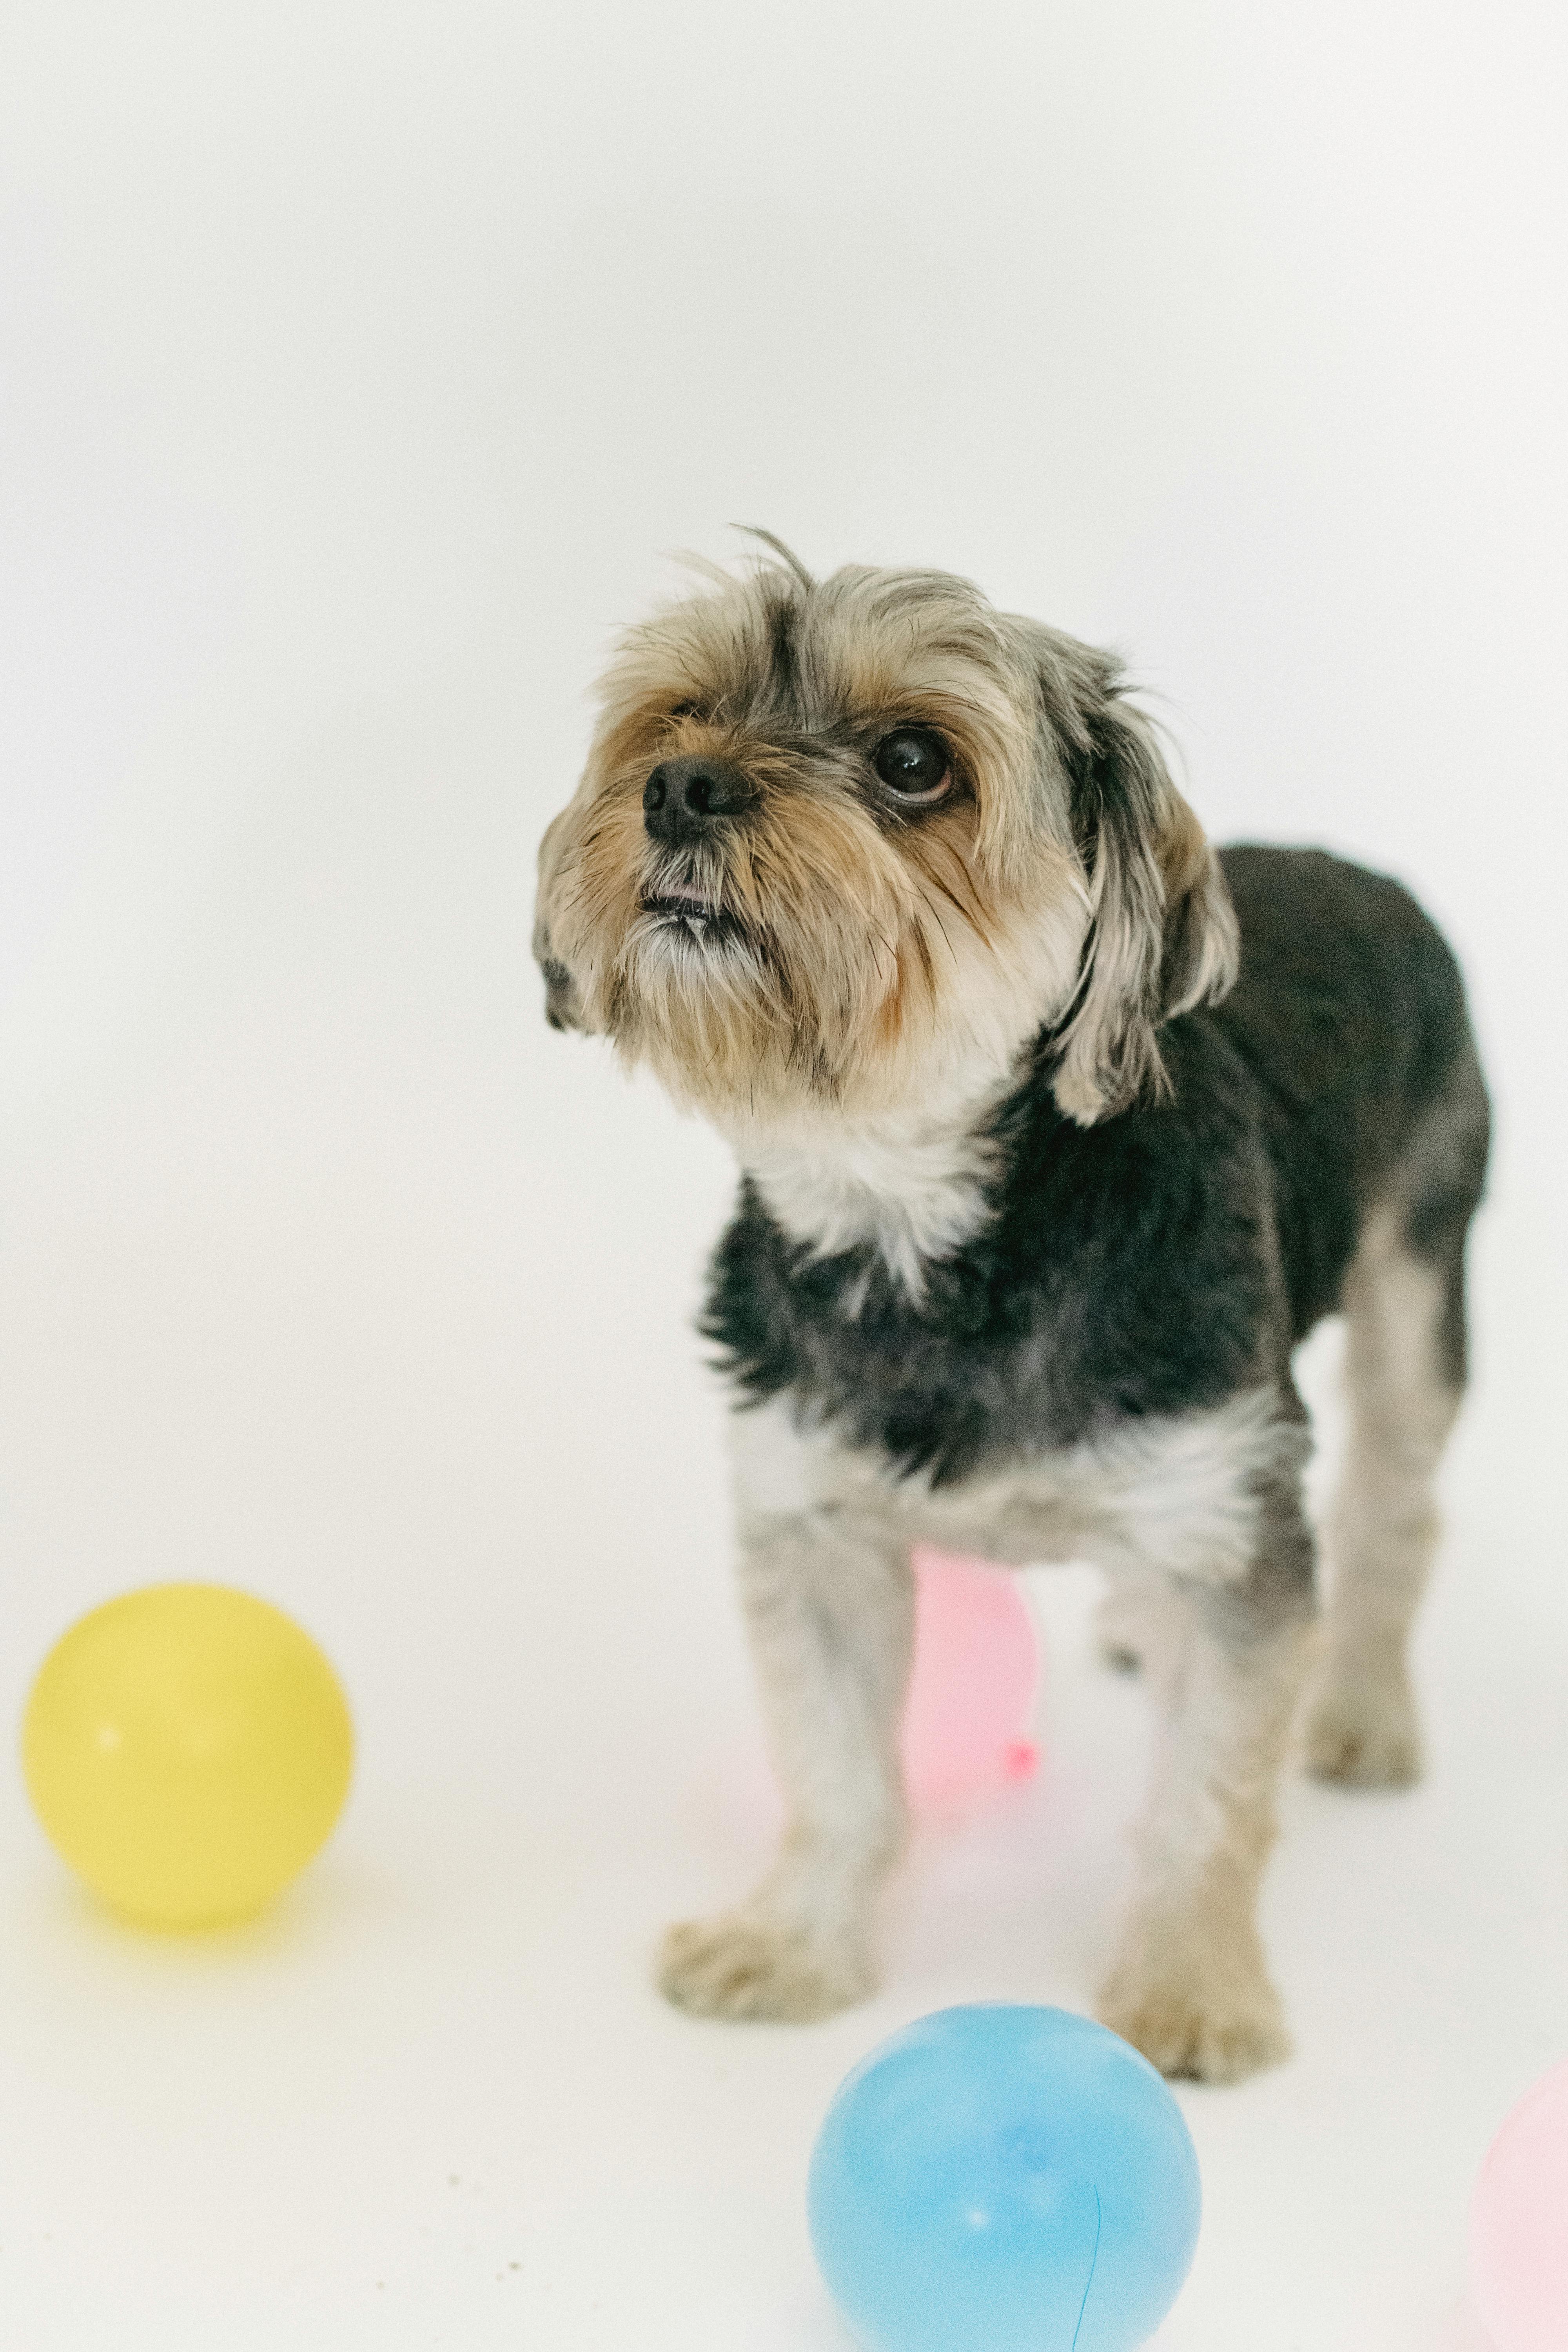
(972,1687)
(1518,2224)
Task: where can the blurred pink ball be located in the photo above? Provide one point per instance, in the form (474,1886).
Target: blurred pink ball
(972,1688)
(1518,2224)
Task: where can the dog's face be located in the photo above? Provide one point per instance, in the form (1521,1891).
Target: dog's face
(843,844)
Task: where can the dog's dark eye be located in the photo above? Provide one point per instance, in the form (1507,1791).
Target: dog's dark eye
(687,710)
(915,763)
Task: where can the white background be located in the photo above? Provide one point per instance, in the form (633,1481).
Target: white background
(364,365)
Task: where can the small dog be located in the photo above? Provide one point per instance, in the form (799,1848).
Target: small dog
(1057,1131)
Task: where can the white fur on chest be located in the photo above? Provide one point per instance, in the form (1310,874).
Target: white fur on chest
(1177,1491)
(912,1189)
(911,1180)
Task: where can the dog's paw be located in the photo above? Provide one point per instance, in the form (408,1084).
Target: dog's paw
(1206,2027)
(746,1966)
(1365,1733)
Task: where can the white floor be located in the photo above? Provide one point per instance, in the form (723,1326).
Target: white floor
(433,2101)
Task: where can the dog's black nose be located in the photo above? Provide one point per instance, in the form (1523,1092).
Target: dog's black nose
(684,799)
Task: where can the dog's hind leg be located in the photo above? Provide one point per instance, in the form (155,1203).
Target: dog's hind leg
(1404,1359)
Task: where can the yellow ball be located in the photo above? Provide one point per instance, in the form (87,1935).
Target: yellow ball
(188,1749)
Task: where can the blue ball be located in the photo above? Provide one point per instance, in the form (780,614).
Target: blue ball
(1004,2178)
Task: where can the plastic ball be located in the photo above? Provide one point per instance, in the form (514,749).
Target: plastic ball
(972,1687)
(187,1749)
(1519,2223)
(1006,2178)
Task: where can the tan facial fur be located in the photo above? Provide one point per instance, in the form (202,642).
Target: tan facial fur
(863,955)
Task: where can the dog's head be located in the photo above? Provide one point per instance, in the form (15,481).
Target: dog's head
(843,842)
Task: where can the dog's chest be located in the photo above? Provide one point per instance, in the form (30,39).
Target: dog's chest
(975,1372)
(1023,1347)
(1178,1493)
(943,1394)
(906,1190)
(1116,1274)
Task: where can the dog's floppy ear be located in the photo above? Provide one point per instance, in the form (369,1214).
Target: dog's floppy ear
(563,1005)
(1162,934)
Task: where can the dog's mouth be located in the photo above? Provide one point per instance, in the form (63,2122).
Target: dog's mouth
(679,899)
(694,909)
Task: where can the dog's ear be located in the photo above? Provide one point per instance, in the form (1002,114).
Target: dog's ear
(562,1005)
(1162,934)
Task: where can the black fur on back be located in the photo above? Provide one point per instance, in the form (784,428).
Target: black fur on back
(1172,1255)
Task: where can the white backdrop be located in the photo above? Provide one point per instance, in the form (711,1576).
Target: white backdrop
(364,365)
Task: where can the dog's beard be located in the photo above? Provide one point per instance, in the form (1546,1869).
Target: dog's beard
(694,991)
(759,997)
(733,999)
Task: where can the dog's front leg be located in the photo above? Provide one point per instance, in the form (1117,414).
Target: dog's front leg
(1191,1988)
(829,1602)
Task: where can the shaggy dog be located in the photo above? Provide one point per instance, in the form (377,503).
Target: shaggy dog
(1057,1131)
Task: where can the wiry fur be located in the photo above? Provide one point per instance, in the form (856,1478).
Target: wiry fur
(1037,1198)
(867,960)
